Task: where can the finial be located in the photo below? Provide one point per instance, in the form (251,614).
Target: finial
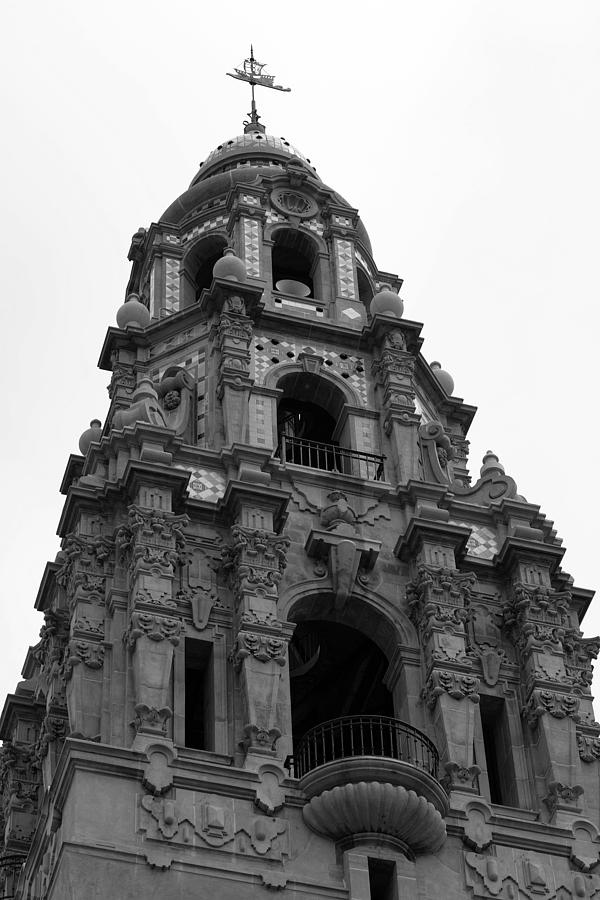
(252,73)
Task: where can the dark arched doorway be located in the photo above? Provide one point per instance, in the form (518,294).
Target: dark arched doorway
(335,671)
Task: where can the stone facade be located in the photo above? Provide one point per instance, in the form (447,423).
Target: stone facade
(217,564)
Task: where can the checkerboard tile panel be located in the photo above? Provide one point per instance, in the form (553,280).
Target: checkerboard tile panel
(273,218)
(205,484)
(345,268)
(313,225)
(483,543)
(217,222)
(171,285)
(252,247)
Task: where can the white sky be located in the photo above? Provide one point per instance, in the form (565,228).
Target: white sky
(467,134)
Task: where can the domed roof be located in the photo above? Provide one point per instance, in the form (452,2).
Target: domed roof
(244,160)
(252,148)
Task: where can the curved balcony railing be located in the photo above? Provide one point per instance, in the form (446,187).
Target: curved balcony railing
(331,458)
(359,736)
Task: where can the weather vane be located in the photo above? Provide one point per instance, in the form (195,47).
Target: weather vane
(252,73)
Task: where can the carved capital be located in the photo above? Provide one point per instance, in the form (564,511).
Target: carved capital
(558,705)
(156,628)
(264,648)
(456,685)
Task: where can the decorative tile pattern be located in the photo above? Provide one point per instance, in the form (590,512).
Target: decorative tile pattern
(351,313)
(273,217)
(286,351)
(483,542)
(217,222)
(250,199)
(315,226)
(171,239)
(205,484)
(345,268)
(252,247)
(342,220)
(171,303)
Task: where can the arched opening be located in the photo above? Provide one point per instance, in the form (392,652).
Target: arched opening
(365,289)
(294,260)
(307,420)
(199,264)
(335,671)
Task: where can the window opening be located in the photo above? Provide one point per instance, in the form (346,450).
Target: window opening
(293,259)
(382,879)
(498,751)
(365,291)
(335,671)
(199,711)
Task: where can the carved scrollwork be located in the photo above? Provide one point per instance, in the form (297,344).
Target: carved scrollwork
(558,705)
(263,647)
(456,685)
(156,628)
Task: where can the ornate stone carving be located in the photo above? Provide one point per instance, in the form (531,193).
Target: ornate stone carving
(562,796)
(459,777)
(556,704)
(89,653)
(457,685)
(588,746)
(439,591)
(263,647)
(156,628)
(485,638)
(150,719)
(255,562)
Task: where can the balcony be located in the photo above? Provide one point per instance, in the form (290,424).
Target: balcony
(370,777)
(331,458)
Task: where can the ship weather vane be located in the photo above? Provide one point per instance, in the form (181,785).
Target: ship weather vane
(252,73)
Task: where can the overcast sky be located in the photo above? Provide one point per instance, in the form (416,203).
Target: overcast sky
(467,134)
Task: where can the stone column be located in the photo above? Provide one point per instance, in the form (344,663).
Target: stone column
(538,620)
(255,562)
(154,541)
(438,597)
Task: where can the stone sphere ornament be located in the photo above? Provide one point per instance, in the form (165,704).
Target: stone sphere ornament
(444,378)
(133,312)
(386,302)
(230,266)
(90,435)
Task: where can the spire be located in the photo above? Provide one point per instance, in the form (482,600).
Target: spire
(252,73)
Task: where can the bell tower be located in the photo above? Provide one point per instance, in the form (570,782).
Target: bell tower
(290,643)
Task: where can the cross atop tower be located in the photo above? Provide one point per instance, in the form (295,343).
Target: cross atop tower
(252,73)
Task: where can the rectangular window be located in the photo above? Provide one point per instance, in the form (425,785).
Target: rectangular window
(382,879)
(199,712)
(499,764)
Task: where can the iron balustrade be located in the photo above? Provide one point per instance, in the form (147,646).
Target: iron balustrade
(353,736)
(330,458)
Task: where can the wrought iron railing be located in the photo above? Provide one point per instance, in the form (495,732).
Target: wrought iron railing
(10,869)
(331,458)
(353,736)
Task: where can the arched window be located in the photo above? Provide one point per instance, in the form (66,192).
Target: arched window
(365,289)
(293,259)
(307,420)
(335,671)
(199,264)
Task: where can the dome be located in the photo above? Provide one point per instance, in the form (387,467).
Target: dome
(253,149)
(246,159)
